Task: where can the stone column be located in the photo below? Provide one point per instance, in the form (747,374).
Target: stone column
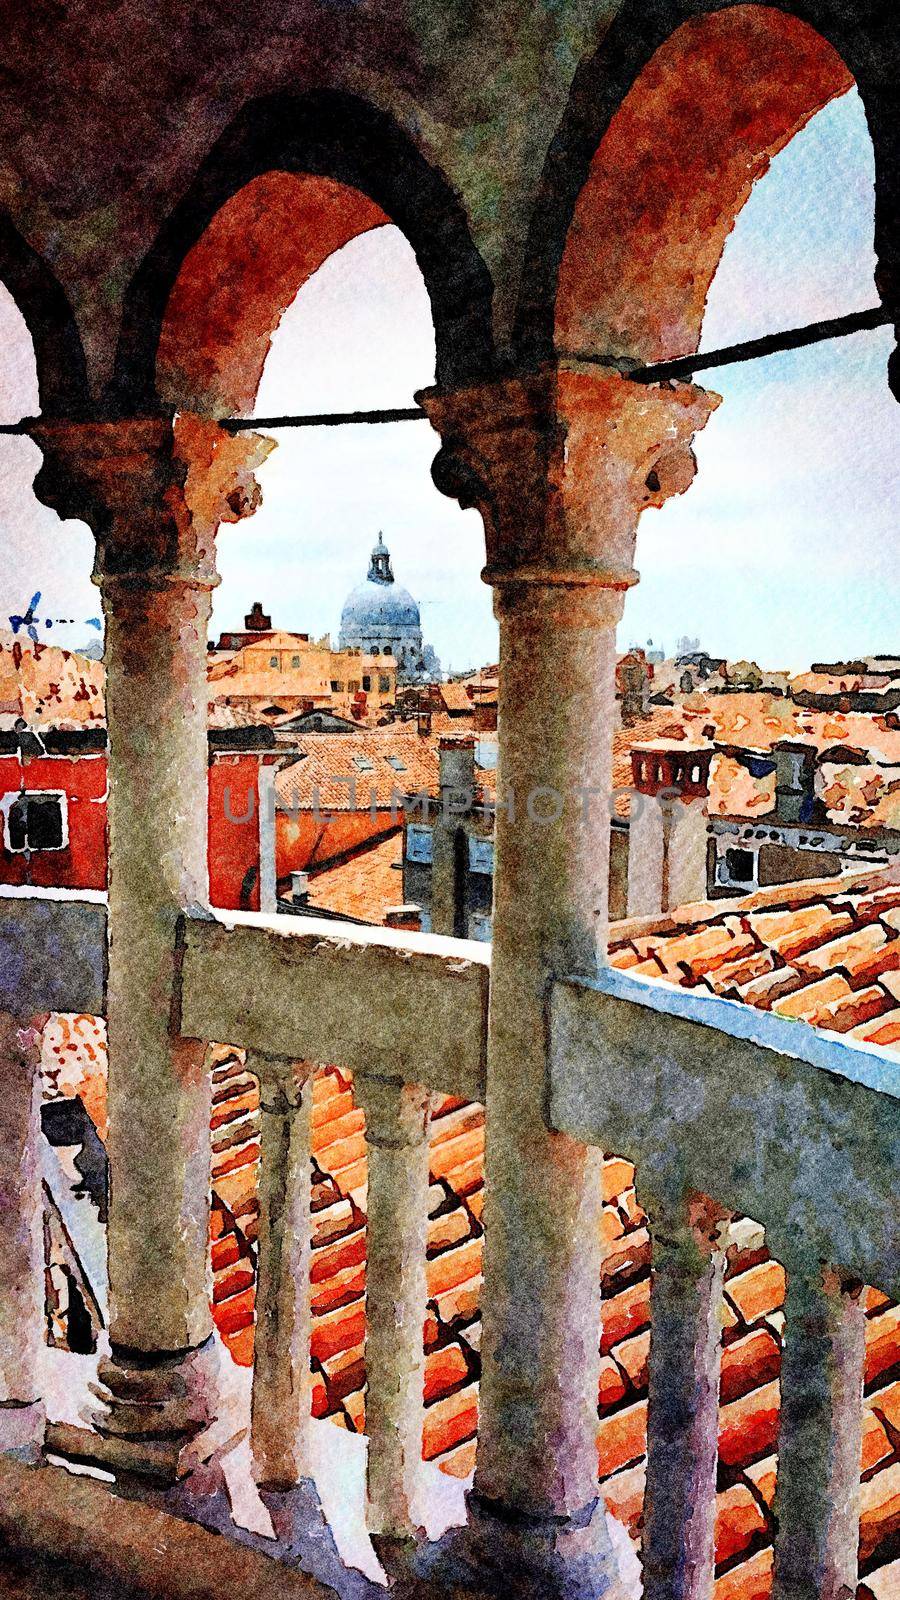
(560,465)
(21,1217)
(397,1120)
(282,1383)
(154,495)
(820,1434)
(683,1412)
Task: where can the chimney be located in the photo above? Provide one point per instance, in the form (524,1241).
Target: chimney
(449,858)
(408,917)
(795,773)
(668,827)
(268,870)
(423,722)
(456,763)
(300,888)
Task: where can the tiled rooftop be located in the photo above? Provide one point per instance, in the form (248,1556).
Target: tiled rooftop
(826,952)
(327,758)
(49,687)
(365,886)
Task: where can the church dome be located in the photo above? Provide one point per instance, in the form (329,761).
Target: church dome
(374,608)
(382,618)
(379,606)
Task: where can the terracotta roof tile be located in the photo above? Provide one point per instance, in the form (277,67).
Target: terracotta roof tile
(879,1511)
(707,948)
(752,1580)
(863,954)
(791,932)
(624,1495)
(739,1521)
(622,1437)
(748,1428)
(881,1585)
(365,886)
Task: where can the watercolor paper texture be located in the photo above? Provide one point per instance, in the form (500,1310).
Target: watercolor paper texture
(449,800)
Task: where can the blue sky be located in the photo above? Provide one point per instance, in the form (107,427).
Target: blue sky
(783,549)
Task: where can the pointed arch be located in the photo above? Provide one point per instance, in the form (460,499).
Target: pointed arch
(323,160)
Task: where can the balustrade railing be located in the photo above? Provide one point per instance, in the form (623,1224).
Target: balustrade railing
(668,1079)
(725,1110)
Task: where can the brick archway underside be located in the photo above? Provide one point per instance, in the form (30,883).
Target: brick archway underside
(678,160)
(239,278)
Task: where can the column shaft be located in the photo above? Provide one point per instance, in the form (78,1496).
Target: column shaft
(683,1412)
(820,1438)
(561,464)
(397,1118)
(282,1387)
(21,1219)
(154,493)
(159,1091)
(537,1448)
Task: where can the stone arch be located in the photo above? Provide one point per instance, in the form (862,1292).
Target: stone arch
(58,351)
(668,128)
(289,182)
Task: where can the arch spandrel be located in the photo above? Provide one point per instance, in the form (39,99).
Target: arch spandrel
(377,175)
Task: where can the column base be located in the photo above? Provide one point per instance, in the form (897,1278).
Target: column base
(504,1552)
(155,1418)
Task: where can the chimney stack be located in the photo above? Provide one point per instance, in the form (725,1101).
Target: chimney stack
(667,831)
(449,858)
(795,773)
(300,888)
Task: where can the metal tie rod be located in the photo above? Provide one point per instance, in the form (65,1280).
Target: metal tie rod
(656,372)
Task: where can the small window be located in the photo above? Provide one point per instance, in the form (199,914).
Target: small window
(273,661)
(353,685)
(336,686)
(418,845)
(36,822)
(295,661)
(481,856)
(740,866)
(396,762)
(363,764)
(389,649)
(367,682)
(384,684)
(375,650)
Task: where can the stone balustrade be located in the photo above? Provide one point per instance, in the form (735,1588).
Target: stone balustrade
(669,1079)
(674,1081)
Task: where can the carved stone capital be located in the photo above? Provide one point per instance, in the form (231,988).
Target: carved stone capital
(153,491)
(561,463)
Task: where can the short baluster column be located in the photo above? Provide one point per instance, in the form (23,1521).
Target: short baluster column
(282,1385)
(397,1121)
(22,1259)
(820,1437)
(683,1408)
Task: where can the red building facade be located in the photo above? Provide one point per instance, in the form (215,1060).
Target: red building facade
(53,793)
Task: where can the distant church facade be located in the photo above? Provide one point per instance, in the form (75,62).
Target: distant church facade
(381,618)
